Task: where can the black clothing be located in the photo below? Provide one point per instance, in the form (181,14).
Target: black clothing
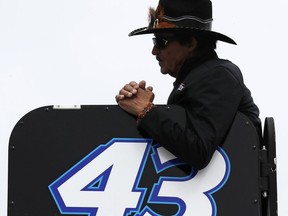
(211,91)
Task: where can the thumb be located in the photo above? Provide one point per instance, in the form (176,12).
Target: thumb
(142,84)
(149,88)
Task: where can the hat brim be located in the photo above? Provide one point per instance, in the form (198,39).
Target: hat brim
(184,30)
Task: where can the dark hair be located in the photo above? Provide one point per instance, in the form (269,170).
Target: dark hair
(203,42)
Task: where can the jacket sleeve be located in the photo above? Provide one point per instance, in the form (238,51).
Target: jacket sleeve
(210,105)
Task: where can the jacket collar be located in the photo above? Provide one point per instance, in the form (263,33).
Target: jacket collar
(192,63)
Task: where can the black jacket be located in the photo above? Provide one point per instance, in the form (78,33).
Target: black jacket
(211,91)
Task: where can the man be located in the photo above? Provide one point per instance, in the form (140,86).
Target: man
(209,89)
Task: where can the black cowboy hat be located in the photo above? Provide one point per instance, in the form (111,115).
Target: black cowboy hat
(182,16)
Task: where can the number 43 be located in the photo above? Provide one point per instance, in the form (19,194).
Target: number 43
(106,182)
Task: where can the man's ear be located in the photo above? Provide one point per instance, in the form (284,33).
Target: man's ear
(193,43)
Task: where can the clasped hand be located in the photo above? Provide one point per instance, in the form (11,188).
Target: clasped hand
(134,97)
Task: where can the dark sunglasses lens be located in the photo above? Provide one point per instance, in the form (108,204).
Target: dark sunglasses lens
(159,42)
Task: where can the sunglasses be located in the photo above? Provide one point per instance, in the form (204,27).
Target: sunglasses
(161,42)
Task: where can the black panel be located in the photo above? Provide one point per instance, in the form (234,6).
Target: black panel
(47,142)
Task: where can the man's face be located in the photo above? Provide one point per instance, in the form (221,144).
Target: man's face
(170,53)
